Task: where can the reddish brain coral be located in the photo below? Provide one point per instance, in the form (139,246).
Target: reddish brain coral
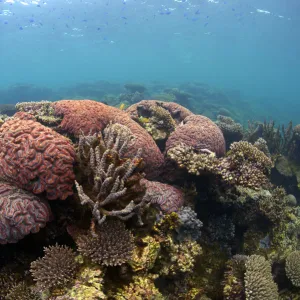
(88,115)
(167,197)
(21,213)
(36,158)
(142,108)
(198,132)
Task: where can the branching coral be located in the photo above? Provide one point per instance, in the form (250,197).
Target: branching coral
(243,165)
(292,267)
(21,291)
(102,160)
(259,282)
(36,158)
(109,243)
(55,269)
(262,145)
(21,213)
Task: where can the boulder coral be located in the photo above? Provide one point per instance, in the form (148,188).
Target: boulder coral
(36,158)
(21,213)
(85,116)
(200,133)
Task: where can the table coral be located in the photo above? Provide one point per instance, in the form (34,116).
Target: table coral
(21,213)
(90,116)
(200,133)
(168,198)
(36,158)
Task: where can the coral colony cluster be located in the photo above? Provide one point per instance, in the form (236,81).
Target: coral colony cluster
(148,202)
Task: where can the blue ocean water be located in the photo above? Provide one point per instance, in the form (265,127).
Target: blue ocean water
(250,46)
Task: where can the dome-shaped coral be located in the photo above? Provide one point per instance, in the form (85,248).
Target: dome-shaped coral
(200,133)
(292,268)
(87,116)
(111,244)
(259,282)
(21,213)
(36,158)
(55,269)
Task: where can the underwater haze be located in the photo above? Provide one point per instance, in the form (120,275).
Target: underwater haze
(249,46)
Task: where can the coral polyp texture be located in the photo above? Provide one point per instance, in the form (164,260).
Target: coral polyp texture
(259,282)
(36,158)
(21,213)
(102,159)
(166,197)
(109,244)
(292,268)
(85,116)
(199,133)
(55,269)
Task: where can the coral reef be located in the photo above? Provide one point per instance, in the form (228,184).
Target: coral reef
(262,145)
(109,243)
(259,282)
(164,196)
(36,158)
(21,292)
(55,269)
(87,116)
(199,133)
(21,213)
(102,160)
(135,87)
(292,267)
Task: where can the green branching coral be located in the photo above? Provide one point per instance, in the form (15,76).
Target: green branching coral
(109,244)
(243,165)
(259,282)
(292,268)
(101,160)
(55,269)
(139,289)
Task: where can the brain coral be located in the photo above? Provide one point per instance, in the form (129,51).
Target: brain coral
(168,198)
(36,158)
(21,213)
(91,116)
(198,132)
(144,107)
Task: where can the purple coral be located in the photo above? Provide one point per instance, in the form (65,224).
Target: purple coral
(168,198)
(21,213)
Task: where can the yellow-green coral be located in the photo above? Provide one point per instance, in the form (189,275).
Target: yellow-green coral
(141,288)
(145,254)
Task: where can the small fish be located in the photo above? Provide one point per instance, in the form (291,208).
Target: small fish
(122,106)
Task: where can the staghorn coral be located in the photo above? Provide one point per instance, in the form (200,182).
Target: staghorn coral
(232,131)
(87,116)
(141,287)
(109,243)
(190,225)
(8,280)
(55,269)
(36,158)
(198,132)
(21,291)
(102,160)
(292,267)
(21,213)
(262,145)
(166,197)
(259,282)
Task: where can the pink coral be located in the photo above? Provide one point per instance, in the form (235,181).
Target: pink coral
(24,116)
(167,197)
(200,133)
(88,115)
(144,107)
(36,158)
(21,213)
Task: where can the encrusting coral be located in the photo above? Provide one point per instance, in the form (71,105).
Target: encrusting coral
(36,158)
(109,173)
(55,269)
(109,243)
(292,267)
(259,282)
(21,213)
